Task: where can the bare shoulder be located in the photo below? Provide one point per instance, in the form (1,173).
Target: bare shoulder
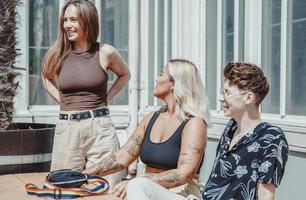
(149,115)
(107,49)
(144,122)
(195,126)
(141,128)
(196,122)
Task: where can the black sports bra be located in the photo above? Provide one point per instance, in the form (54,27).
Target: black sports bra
(162,155)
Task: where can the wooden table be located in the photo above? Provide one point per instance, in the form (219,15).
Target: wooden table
(12,187)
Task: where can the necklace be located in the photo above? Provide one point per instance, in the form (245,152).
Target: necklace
(82,50)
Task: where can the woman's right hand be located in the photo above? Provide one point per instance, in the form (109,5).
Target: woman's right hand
(119,190)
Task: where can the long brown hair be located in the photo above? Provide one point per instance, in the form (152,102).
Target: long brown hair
(89,21)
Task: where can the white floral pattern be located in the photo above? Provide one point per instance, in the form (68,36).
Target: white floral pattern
(254,147)
(254,176)
(258,157)
(240,171)
(264,167)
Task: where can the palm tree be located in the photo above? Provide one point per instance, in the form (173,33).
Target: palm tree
(8,54)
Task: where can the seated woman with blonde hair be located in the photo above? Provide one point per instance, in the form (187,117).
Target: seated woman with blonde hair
(171,141)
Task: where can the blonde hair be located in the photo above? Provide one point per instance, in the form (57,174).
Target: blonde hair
(189,92)
(89,21)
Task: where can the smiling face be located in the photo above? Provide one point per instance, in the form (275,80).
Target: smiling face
(163,84)
(233,100)
(72,26)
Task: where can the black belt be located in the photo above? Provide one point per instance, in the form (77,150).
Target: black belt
(85,115)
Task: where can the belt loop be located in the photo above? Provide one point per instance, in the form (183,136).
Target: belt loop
(91,114)
(68,120)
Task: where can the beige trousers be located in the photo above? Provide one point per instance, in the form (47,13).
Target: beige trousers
(79,144)
(142,188)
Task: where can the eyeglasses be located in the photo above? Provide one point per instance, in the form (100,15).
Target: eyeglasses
(227,94)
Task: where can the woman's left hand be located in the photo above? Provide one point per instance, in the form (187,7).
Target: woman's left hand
(119,190)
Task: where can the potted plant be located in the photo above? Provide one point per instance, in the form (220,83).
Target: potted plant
(25,147)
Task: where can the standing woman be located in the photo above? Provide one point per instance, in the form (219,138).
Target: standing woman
(75,75)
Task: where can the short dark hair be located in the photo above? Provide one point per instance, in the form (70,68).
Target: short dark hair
(247,76)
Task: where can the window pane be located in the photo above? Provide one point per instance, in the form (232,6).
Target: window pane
(296,68)
(228,31)
(163,55)
(43,27)
(211,52)
(298,9)
(115,31)
(271,53)
(271,12)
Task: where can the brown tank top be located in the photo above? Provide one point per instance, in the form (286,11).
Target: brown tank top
(82,82)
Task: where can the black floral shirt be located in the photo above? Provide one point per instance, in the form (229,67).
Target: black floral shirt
(258,157)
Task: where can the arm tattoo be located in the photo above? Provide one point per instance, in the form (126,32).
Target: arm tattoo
(184,161)
(194,149)
(132,147)
(194,171)
(168,177)
(108,165)
(183,154)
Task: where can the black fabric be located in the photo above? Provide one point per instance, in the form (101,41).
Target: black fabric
(162,155)
(258,157)
(67,178)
